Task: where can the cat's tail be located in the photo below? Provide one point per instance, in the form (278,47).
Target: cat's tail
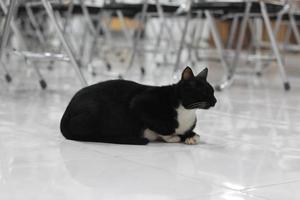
(64,124)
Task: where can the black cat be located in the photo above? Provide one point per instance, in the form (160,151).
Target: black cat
(126,112)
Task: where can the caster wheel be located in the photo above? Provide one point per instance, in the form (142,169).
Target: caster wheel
(120,76)
(218,88)
(8,78)
(122,60)
(229,77)
(108,66)
(101,32)
(259,74)
(287,86)
(50,67)
(143,71)
(43,84)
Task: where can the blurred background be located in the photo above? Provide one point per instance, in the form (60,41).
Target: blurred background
(250,142)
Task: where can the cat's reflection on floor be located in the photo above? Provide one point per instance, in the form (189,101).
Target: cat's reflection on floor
(118,174)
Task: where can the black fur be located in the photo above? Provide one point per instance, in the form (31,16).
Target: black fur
(118,111)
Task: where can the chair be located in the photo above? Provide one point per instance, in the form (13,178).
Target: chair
(9,23)
(258,9)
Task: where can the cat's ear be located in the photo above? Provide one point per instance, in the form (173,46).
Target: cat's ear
(187,74)
(203,74)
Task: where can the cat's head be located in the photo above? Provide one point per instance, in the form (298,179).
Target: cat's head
(195,92)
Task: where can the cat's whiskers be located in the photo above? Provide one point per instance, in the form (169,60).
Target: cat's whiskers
(197,104)
(194,105)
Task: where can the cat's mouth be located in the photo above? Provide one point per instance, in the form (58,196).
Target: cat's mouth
(201,105)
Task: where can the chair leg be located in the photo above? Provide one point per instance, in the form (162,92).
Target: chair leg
(164,29)
(41,79)
(232,33)
(258,38)
(67,47)
(287,37)
(294,27)
(90,29)
(124,27)
(87,18)
(274,46)
(67,20)
(35,24)
(5,34)
(7,76)
(218,42)
(182,41)
(229,80)
(22,41)
(278,22)
(65,24)
(202,35)
(162,24)
(138,37)
(28,63)
(193,41)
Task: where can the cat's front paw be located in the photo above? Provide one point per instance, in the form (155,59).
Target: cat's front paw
(171,138)
(192,140)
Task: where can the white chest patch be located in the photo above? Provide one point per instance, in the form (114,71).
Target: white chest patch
(186,119)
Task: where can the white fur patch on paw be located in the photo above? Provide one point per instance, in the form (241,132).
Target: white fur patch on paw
(174,139)
(192,140)
(150,135)
(171,139)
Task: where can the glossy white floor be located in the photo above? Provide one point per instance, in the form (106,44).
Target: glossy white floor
(250,146)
